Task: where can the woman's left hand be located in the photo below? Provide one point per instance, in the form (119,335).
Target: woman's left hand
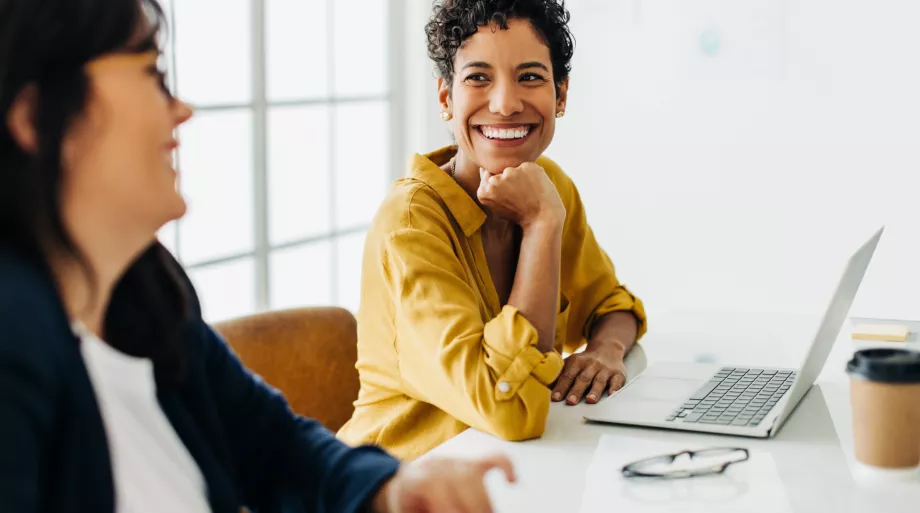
(440,484)
(598,369)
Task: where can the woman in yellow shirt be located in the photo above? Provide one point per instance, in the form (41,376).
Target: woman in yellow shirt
(480,268)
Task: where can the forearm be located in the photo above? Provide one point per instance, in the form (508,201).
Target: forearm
(535,291)
(617,328)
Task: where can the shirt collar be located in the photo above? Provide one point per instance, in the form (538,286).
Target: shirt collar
(426,168)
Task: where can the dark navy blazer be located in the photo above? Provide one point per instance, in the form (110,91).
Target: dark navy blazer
(252,450)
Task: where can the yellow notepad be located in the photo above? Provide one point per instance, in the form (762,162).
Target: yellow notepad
(890,332)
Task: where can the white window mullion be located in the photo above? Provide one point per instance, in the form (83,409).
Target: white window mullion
(396,94)
(330,76)
(260,156)
(171,76)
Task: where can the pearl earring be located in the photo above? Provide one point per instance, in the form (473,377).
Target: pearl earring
(445,115)
(560,114)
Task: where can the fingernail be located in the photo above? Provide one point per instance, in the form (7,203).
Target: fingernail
(557,396)
(573,399)
(592,397)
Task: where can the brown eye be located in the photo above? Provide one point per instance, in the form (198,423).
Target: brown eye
(477,78)
(532,77)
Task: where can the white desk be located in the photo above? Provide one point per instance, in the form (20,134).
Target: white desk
(813,452)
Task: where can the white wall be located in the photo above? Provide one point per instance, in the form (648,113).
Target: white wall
(743,179)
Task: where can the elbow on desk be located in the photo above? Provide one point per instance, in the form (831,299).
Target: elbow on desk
(517,419)
(510,433)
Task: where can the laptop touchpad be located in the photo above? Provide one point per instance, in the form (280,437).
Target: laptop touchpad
(650,388)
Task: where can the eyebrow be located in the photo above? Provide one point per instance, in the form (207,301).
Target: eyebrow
(533,64)
(476,64)
(486,65)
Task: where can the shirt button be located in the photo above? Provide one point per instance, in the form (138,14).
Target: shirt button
(504,387)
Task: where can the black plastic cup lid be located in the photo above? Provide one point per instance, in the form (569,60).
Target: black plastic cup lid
(886,365)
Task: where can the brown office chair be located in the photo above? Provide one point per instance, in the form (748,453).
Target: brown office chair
(308,354)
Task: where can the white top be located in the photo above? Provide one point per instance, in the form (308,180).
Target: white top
(152,469)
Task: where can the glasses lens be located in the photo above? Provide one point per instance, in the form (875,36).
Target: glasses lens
(658,465)
(720,456)
(703,462)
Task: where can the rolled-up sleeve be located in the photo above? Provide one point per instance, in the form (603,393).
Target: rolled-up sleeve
(487,373)
(505,335)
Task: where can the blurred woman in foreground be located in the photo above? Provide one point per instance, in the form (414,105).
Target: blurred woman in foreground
(114,394)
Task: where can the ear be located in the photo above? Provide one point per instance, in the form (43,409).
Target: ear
(563,95)
(444,94)
(20,119)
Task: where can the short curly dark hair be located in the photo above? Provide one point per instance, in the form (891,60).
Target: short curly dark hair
(453,21)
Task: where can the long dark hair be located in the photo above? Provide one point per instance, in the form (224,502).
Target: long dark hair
(45,45)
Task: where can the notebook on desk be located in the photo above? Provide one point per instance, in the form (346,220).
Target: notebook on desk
(732,400)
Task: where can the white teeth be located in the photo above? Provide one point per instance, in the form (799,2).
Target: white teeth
(505,133)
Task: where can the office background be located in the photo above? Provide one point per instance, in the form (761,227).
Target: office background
(731,153)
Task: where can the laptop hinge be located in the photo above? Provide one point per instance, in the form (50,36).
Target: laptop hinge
(772,427)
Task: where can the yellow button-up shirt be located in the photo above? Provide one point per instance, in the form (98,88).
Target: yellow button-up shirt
(437,352)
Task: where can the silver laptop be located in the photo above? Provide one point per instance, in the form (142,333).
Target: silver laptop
(730,400)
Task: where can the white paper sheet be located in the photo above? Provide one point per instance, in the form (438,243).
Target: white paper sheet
(753,485)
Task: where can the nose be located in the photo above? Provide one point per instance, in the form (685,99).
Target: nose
(504,99)
(182,112)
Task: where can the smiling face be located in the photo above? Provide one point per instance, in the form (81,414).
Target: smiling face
(118,158)
(503,99)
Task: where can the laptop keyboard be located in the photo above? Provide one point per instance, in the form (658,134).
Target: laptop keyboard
(735,397)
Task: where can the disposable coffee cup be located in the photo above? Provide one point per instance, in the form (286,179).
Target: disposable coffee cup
(885,394)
